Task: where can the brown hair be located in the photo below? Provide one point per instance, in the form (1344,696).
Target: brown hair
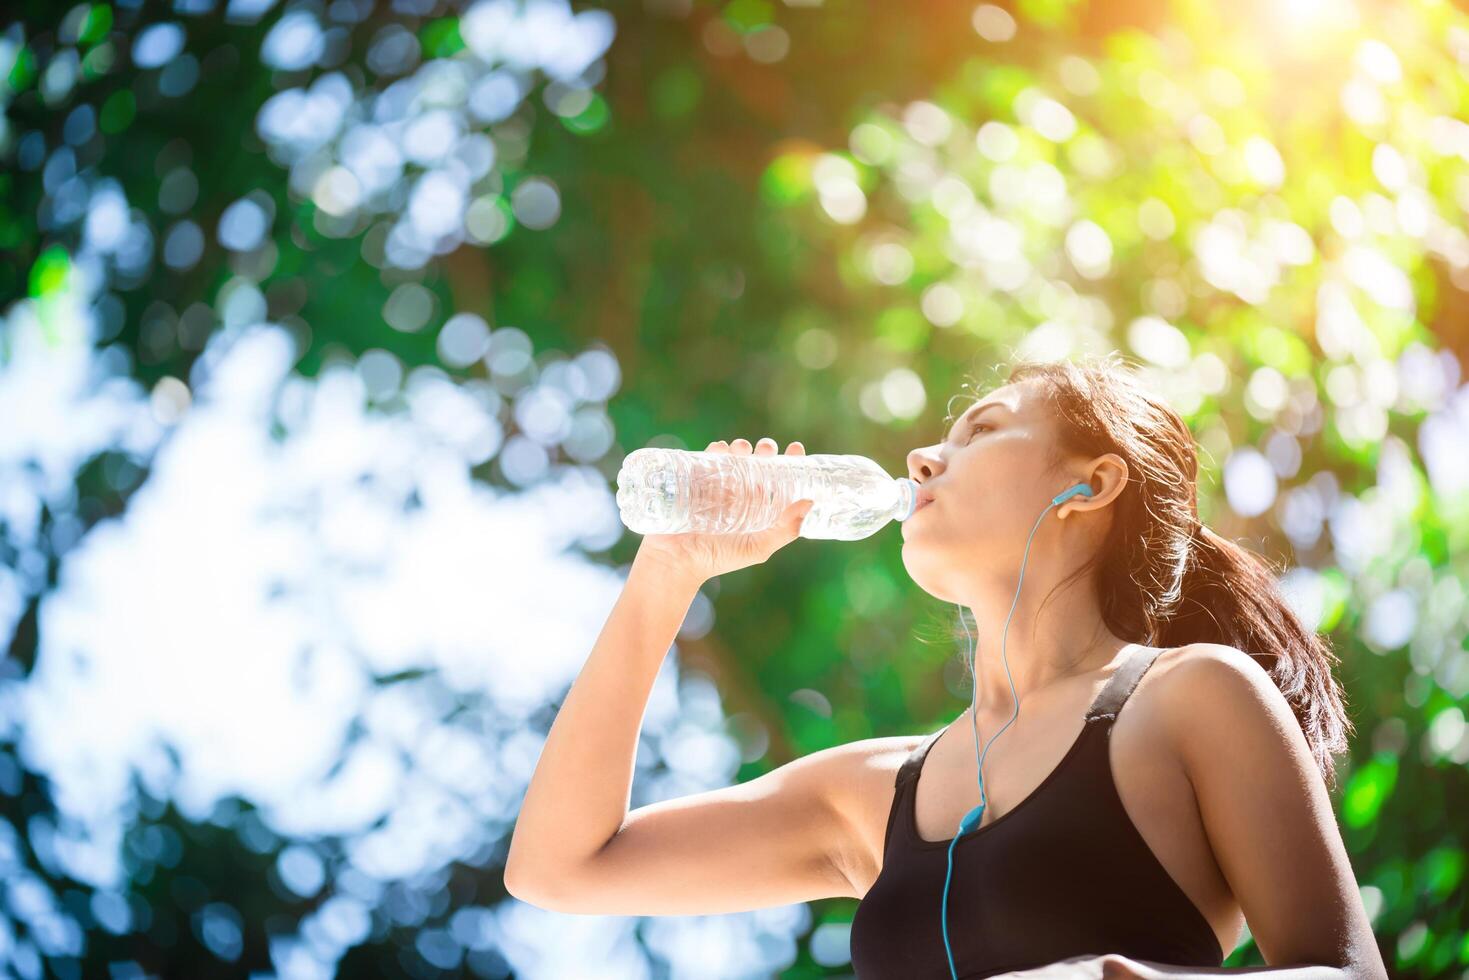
(1163,578)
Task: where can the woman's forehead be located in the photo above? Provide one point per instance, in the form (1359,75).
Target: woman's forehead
(1016,396)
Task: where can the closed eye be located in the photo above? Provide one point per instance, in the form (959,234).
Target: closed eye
(977,427)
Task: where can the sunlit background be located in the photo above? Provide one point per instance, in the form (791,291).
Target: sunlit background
(324,327)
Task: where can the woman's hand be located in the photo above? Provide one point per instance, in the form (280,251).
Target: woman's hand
(1109,967)
(703,556)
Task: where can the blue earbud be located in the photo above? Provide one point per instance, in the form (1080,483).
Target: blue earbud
(1081,488)
(973,817)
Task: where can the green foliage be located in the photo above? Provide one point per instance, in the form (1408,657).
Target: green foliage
(1268,213)
(1368,789)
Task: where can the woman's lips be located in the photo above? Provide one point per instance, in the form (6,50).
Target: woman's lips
(922,503)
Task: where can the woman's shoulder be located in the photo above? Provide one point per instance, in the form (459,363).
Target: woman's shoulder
(881,756)
(1190,690)
(1187,672)
(863,781)
(862,771)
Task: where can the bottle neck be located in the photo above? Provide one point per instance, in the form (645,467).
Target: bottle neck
(907,497)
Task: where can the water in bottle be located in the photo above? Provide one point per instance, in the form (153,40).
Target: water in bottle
(675,491)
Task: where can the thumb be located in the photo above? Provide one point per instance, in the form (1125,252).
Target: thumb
(798,512)
(787,528)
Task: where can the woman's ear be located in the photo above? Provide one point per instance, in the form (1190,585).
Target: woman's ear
(1107,476)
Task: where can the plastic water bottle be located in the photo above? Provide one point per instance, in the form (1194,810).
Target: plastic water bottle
(676,491)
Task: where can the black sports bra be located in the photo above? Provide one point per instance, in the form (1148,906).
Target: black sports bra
(1062,873)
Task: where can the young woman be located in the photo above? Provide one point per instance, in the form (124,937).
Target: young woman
(1111,842)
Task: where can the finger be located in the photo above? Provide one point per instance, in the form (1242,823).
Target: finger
(741,446)
(765,447)
(718,446)
(796,449)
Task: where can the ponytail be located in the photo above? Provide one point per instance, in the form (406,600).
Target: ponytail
(1230,596)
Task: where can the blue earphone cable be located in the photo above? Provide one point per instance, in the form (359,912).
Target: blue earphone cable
(974,816)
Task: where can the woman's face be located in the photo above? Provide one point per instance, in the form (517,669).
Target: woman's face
(990,482)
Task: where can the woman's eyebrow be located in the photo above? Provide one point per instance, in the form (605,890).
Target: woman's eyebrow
(973,414)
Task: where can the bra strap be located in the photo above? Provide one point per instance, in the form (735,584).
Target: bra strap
(1120,685)
(1113,695)
(908,771)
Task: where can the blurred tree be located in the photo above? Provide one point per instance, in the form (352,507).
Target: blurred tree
(764,211)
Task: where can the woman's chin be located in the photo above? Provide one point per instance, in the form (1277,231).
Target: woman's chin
(918,569)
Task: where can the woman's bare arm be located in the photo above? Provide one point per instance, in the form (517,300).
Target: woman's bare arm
(575,848)
(1267,814)
(578,795)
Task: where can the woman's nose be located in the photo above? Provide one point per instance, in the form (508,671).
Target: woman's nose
(924,463)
